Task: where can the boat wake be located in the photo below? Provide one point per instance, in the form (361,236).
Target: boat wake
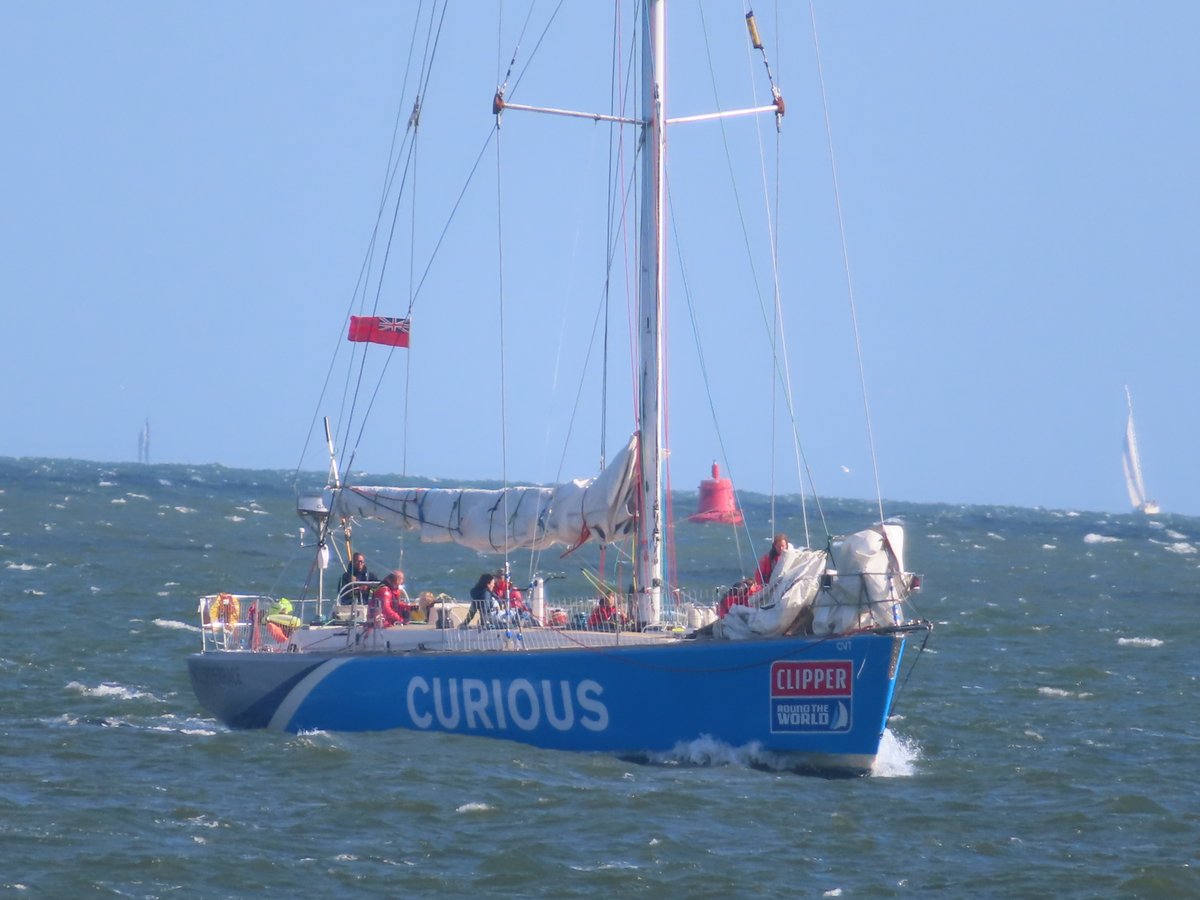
(175,625)
(707,751)
(897,757)
(170,724)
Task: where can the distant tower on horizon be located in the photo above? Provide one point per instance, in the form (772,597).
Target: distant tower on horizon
(144,443)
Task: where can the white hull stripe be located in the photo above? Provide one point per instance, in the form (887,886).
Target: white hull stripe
(298,694)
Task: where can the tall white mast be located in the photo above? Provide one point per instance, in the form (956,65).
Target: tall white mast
(649,566)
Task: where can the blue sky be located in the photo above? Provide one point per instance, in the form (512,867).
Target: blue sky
(189,190)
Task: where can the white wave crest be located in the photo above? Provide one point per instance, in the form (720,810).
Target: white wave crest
(1181,547)
(108,689)
(1100,539)
(473,807)
(1059,692)
(172,625)
(1139,642)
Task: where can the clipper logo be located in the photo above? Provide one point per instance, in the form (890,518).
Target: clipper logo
(812,696)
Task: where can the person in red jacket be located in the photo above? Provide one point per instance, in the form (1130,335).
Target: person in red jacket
(738,595)
(606,616)
(389,602)
(506,590)
(766,565)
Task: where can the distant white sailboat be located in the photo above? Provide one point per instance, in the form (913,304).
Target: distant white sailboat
(1133,467)
(144,443)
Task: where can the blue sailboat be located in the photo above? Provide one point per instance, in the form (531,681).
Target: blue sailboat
(801,665)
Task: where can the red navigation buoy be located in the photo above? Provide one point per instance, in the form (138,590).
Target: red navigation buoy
(717,502)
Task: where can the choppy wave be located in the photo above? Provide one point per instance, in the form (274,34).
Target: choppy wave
(474,807)
(1063,694)
(1050,695)
(1139,642)
(111,690)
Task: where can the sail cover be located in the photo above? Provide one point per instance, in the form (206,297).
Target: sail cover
(516,518)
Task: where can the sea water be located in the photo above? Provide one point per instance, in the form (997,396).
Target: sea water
(1044,744)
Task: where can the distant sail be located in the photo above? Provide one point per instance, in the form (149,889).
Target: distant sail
(1132,463)
(144,443)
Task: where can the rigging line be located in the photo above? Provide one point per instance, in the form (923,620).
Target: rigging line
(591,343)
(358,382)
(615,199)
(628,194)
(691,308)
(412,254)
(391,236)
(395,155)
(616,155)
(432,40)
(773,325)
(536,46)
(779,332)
(450,218)
(360,283)
(367,414)
(782,360)
(512,61)
(862,376)
(500,292)
(774,228)
(394,161)
(614,92)
(623,232)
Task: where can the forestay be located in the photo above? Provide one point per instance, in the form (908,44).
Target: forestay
(489,521)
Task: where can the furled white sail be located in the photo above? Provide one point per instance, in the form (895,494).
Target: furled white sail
(795,581)
(1132,463)
(870,581)
(603,509)
(866,582)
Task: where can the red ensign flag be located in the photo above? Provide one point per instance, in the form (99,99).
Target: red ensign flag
(379,330)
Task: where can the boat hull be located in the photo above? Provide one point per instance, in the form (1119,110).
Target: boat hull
(820,703)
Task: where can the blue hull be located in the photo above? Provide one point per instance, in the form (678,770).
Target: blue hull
(825,701)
